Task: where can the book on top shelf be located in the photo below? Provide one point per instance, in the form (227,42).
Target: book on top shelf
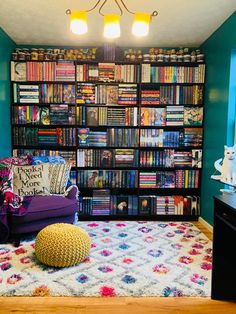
(18,71)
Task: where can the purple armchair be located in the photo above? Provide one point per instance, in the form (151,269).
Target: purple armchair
(21,215)
(43,211)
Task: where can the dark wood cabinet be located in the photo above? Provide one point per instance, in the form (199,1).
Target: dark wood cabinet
(224,248)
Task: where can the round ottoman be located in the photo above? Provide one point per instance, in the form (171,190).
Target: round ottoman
(62,245)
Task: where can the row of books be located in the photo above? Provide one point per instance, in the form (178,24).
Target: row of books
(107,178)
(171,116)
(107,158)
(54,93)
(162,138)
(168,116)
(107,72)
(103,116)
(166,158)
(41,137)
(98,116)
(144,137)
(173,94)
(44,93)
(179,115)
(169,179)
(170,158)
(173,74)
(181,95)
(55,114)
(69,156)
(138,205)
(121,94)
(111,137)
(43,71)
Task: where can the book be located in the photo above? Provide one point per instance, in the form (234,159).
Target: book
(18,71)
(122,205)
(92,116)
(106,158)
(145,205)
(69,93)
(193,116)
(83,134)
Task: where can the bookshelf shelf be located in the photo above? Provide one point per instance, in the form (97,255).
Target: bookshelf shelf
(45,147)
(43,126)
(140,217)
(102,116)
(44,81)
(170,84)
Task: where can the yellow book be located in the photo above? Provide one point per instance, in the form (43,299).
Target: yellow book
(186,179)
(27,114)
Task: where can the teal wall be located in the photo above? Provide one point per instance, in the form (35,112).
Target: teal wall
(6,47)
(219,106)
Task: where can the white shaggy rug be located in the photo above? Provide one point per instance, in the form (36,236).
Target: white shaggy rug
(127,259)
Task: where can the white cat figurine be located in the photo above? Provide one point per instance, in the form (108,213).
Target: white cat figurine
(228,167)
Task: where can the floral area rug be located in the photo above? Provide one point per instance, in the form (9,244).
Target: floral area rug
(126,259)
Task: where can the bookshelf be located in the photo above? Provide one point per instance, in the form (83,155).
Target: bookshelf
(132,131)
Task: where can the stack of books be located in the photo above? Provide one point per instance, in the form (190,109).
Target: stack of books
(147,180)
(127,94)
(150,97)
(65,71)
(26,93)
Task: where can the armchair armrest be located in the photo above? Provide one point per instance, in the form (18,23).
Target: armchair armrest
(72,192)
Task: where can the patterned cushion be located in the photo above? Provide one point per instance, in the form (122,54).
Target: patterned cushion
(19,161)
(5,178)
(58,177)
(44,159)
(31,180)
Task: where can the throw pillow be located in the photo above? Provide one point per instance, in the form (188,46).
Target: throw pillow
(31,180)
(58,177)
(36,160)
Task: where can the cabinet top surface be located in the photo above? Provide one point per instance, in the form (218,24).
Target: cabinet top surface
(228,200)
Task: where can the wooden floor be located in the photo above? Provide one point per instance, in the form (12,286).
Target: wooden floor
(129,305)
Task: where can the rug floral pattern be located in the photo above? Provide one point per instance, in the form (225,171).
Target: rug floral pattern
(126,259)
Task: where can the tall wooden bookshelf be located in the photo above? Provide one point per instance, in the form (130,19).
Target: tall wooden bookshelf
(132,130)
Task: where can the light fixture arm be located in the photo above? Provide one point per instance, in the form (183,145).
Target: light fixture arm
(100,9)
(124,5)
(154,13)
(94,7)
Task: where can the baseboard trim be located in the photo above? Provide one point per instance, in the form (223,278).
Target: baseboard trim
(206,224)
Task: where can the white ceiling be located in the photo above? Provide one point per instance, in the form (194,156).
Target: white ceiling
(179,22)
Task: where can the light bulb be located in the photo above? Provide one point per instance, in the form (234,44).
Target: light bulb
(78,22)
(141,23)
(111,25)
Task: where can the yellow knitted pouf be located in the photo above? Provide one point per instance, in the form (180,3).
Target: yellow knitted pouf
(62,245)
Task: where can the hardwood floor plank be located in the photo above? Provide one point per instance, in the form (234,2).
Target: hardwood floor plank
(122,305)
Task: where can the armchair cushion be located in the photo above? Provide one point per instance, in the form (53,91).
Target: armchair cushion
(42,207)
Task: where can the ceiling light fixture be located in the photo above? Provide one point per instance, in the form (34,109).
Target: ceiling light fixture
(140,28)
